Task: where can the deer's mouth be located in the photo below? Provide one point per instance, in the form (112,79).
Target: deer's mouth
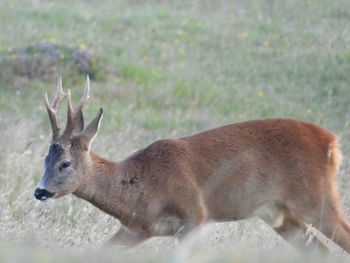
(60,194)
(43,194)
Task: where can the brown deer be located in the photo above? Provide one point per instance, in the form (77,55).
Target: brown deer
(281,170)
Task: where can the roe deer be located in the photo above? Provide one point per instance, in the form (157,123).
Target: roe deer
(281,170)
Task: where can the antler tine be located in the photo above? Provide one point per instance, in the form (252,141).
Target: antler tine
(70,121)
(52,110)
(59,95)
(47,104)
(70,107)
(84,98)
(73,113)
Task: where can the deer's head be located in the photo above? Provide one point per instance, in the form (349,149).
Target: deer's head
(68,159)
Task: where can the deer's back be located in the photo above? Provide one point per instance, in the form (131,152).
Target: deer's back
(259,161)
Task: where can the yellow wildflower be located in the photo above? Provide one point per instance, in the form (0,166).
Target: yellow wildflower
(266,43)
(181,51)
(243,34)
(82,46)
(180,33)
(52,40)
(146,58)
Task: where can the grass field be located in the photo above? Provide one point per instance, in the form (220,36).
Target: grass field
(170,68)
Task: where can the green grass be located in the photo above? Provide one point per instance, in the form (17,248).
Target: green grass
(175,68)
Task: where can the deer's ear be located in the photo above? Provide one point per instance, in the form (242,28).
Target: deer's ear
(89,133)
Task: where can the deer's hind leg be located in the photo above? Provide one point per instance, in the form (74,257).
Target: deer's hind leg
(294,230)
(330,220)
(328,215)
(325,213)
(338,231)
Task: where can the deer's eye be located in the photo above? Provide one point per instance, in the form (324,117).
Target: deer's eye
(64,165)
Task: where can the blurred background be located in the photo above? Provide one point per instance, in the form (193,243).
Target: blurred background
(160,69)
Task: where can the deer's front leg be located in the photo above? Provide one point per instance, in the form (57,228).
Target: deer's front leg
(127,238)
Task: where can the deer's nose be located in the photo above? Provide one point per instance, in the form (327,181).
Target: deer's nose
(42,194)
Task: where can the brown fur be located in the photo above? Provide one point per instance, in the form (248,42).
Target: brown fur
(282,170)
(225,174)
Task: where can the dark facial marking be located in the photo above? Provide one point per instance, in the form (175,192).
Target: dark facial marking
(55,153)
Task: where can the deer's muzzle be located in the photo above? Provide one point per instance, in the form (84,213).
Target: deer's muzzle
(42,194)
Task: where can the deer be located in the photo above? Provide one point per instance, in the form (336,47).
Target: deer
(283,171)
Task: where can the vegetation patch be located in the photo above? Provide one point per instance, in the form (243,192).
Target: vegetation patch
(47,61)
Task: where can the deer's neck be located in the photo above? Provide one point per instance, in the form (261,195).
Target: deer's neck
(102,187)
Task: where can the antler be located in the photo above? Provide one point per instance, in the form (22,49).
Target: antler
(52,111)
(73,114)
